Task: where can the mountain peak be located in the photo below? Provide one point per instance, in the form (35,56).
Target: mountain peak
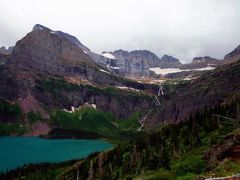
(38,27)
(169,61)
(50,51)
(73,39)
(165,56)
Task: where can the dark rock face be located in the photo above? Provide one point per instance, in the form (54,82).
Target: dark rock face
(233,56)
(169,62)
(43,50)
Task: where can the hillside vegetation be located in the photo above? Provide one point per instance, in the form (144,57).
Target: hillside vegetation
(172,151)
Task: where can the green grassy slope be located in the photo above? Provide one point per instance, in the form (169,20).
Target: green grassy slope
(91,120)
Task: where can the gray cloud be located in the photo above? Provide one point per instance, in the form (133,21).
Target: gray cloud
(184,29)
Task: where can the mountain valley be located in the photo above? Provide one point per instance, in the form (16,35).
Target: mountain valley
(167,120)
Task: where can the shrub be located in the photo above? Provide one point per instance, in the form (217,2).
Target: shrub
(189,164)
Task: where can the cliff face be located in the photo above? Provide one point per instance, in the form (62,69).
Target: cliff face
(138,62)
(169,62)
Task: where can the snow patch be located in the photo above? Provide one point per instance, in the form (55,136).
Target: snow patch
(203,69)
(102,70)
(164,71)
(188,78)
(157,81)
(211,64)
(94,106)
(128,88)
(108,55)
(112,67)
(73,109)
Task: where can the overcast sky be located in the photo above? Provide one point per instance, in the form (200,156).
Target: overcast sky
(181,28)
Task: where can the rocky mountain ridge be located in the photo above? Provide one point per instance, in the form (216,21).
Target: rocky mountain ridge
(6,51)
(233,55)
(134,63)
(44,51)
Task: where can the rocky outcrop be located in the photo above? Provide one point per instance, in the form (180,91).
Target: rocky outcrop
(206,60)
(6,51)
(169,62)
(202,62)
(233,55)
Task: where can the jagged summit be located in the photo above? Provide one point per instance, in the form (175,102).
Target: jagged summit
(169,61)
(38,27)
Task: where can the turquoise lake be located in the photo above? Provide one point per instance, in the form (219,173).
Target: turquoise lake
(17,151)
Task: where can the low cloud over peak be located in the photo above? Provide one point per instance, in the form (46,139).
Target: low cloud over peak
(183,29)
